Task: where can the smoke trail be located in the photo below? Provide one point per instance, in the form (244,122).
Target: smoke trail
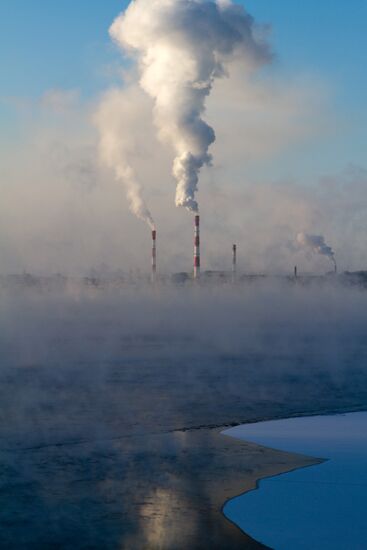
(317,244)
(117,148)
(182,47)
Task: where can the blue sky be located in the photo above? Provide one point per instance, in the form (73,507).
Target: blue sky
(327,37)
(65,44)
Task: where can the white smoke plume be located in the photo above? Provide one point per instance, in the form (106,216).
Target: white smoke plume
(117,147)
(182,47)
(317,244)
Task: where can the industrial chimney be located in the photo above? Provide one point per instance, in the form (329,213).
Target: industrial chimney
(154,255)
(234,262)
(197,248)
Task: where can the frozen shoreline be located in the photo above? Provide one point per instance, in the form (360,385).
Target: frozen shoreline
(308,508)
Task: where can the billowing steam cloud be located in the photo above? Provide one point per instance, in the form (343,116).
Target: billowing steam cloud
(182,47)
(117,147)
(317,244)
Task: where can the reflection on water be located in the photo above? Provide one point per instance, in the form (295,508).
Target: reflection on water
(159,518)
(156,492)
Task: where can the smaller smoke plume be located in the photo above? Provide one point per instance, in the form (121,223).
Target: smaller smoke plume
(117,147)
(317,244)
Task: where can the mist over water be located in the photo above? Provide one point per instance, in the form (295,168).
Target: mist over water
(251,341)
(109,396)
(78,322)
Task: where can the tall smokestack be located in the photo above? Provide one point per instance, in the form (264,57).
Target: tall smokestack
(295,272)
(154,255)
(197,248)
(234,262)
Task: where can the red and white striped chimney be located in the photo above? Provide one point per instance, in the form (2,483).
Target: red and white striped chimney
(197,248)
(154,254)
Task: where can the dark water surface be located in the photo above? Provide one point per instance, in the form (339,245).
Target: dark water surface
(127,456)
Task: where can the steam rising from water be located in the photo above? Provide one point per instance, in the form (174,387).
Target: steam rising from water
(94,383)
(182,47)
(80,322)
(317,244)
